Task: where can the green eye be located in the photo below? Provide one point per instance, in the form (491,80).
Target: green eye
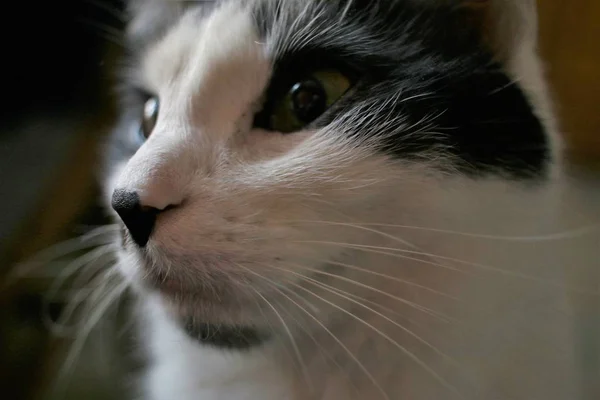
(308,99)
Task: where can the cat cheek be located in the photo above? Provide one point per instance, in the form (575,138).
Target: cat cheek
(260,144)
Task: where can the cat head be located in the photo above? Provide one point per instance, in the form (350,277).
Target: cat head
(262,140)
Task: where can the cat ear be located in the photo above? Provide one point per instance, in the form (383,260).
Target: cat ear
(510,29)
(507,27)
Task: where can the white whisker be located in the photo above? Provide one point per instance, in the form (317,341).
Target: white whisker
(364,228)
(342,294)
(322,349)
(70,269)
(533,238)
(272,329)
(113,11)
(388,277)
(288,332)
(91,239)
(81,296)
(100,308)
(426,310)
(393,252)
(275,287)
(107,32)
(387,337)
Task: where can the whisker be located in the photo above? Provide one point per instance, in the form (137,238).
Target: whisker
(380,250)
(99,230)
(394,238)
(24,270)
(382,307)
(268,321)
(426,310)
(107,32)
(389,277)
(408,353)
(289,333)
(101,307)
(60,327)
(275,287)
(69,270)
(62,249)
(113,11)
(533,238)
(342,294)
(387,250)
(548,282)
(321,348)
(78,263)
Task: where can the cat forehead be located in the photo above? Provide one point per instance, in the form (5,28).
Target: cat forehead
(186,40)
(283,25)
(167,35)
(199,43)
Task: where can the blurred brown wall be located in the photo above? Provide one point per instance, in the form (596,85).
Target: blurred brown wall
(570,44)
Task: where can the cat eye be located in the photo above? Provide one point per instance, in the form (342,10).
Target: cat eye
(306,100)
(149,117)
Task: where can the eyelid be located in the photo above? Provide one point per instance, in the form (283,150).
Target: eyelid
(144,94)
(136,95)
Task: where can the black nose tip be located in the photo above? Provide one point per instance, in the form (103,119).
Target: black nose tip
(139,220)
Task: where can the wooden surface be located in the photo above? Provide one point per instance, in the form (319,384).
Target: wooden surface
(570,34)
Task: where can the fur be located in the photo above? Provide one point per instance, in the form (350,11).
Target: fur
(388,250)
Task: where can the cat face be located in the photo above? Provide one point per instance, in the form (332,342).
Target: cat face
(263,140)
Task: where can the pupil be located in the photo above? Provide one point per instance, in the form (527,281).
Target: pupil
(308,100)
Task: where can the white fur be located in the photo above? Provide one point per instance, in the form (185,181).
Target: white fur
(262,201)
(183,371)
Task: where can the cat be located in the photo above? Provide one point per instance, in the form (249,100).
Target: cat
(341,199)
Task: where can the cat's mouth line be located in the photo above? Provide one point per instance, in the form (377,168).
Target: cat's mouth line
(209,285)
(224,336)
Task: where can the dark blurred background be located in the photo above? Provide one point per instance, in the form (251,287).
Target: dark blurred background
(58,67)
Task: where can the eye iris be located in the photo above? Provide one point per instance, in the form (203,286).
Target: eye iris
(309,100)
(304,102)
(149,117)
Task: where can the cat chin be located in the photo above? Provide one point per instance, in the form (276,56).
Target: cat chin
(219,300)
(207,301)
(196,312)
(207,310)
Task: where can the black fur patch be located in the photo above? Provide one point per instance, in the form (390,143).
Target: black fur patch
(426,83)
